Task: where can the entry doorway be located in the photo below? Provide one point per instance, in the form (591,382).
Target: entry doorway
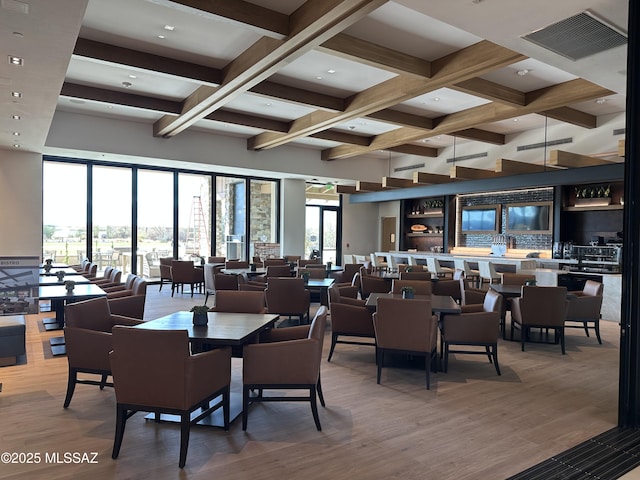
(388,241)
(323,232)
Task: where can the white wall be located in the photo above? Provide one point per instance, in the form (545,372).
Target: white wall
(21,203)
(292,217)
(360,230)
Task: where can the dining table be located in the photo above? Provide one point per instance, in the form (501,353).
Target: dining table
(223,329)
(439,303)
(244,271)
(321,285)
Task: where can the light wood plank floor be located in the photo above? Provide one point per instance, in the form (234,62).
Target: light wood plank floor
(472,424)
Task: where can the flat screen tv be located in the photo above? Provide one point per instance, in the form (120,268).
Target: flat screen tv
(529,217)
(481,219)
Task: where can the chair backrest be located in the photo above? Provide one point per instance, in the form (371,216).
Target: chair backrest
(236,264)
(370,284)
(487,270)
(492,302)
(140,355)
(313,272)
(303,262)
(516,278)
(273,261)
(280,270)
(139,286)
(182,270)
(420,287)
(292,258)
(287,295)
(433,264)
(107,273)
(543,305)
(405,324)
(350,269)
(415,276)
(128,283)
(116,275)
(216,259)
(239,301)
(209,272)
(222,281)
(93,314)
(592,288)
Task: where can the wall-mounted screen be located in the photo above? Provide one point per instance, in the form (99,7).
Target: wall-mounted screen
(530,217)
(481,219)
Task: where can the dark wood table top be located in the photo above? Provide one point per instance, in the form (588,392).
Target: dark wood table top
(439,303)
(223,329)
(506,290)
(320,282)
(59,292)
(53,280)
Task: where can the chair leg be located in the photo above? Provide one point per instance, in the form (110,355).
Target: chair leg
(523,335)
(560,332)
(103,381)
(586,328)
(428,373)
(597,329)
(206,298)
(71,386)
(319,389)
(334,340)
(173,286)
(245,406)
(494,350)
(185,426)
(226,407)
(121,422)
(380,355)
(488,350)
(446,357)
(314,407)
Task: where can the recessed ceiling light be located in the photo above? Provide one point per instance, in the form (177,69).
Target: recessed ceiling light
(162,37)
(600,101)
(436,99)
(16,117)
(109,107)
(132,76)
(516,119)
(318,77)
(16,145)
(331,70)
(16,134)
(13,60)
(522,72)
(16,94)
(169,27)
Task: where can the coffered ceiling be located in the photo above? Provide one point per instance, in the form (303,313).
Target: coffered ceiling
(343,77)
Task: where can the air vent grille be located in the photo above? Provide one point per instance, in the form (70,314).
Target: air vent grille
(578,37)
(550,143)
(409,167)
(619,131)
(467,157)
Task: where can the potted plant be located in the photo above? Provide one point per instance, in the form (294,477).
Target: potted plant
(200,316)
(305,276)
(407,292)
(69,285)
(60,275)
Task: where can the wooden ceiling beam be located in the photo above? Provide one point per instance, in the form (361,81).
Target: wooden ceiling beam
(573,116)
(468,173)
(309,26)
(412,149)
(346,189)
(466,63)
(368,186)
(561,158)
(424,178)
(401,118)
(481,136)
(392,182)
(570,92)
(512,167)
(492,91)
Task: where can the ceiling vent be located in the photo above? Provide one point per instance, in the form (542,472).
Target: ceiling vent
(578,37)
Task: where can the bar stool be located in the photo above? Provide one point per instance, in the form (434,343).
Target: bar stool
(472,276)
(488,273)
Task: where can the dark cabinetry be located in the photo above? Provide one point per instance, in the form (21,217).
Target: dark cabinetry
(423,224)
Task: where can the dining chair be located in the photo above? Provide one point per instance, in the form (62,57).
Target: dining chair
(415,275)
(433,264)
(184,272)
(88,341)
(154,371)
(288,296)
(406,327)
(584,308)
(165,270)
(540,307)
(239,301)
(289,360)
(339,293)
(131,302)
(488,272)
(350,320)
(233,264)
(475,326)
(420,287)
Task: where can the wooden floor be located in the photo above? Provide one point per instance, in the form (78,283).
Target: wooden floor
(472,424)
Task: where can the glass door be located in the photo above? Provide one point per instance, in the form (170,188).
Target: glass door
(322,232)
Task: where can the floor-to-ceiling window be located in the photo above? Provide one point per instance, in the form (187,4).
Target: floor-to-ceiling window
(64,217)
(111,218)
(155,219)
(231,217)
(263,205)
(194,215)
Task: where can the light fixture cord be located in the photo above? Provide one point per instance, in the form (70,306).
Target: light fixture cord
(544,160)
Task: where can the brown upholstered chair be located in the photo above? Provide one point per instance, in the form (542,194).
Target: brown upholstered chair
(584,308)
(292,258)
(350,321)
(420,287)
(509,278)
(348,272)
(477,325)
(87,334)
(216,259)
(274,261)
(130,303)
(224,282)
(288,296)
(288,364)
(233,264)
(279,270)
(317,273)
(470,295)
(449,288)
(184,272)
(372,284)
(165,270)
(127,285)
(408,327)
(415,275)
(303,262)
(140,358)
(239,301)
(540,307)
(344,294)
